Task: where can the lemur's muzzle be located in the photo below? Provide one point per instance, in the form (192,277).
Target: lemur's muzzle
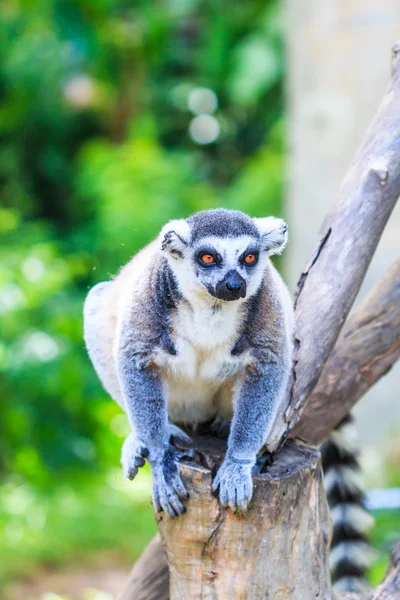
(231,287)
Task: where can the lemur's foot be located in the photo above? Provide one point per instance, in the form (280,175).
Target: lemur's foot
(220,427)
(168,489)
(134,451)
(179,437)
(235,484)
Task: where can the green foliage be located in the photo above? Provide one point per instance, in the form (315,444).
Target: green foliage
(96,156)
(384,537)
(80,518)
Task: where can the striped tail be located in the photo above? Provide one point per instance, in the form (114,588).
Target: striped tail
(351,554)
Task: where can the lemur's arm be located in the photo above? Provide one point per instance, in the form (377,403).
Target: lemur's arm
(256,403)
(256,407)
(142,391)
(147,412)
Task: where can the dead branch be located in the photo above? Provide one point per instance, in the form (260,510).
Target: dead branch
(366,349)
(348,238)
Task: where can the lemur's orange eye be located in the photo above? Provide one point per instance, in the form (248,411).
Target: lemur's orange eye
(208,259)
(250,258)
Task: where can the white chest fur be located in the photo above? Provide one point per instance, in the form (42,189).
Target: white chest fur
(204,338)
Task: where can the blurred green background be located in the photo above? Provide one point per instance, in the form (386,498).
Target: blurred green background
(115,116)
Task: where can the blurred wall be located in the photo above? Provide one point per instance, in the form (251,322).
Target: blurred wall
(339,68)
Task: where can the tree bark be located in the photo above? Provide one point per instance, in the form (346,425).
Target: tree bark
(348,238)
(366,349)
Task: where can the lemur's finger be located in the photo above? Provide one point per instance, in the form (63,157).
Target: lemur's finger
(133,471)
(235,500)
(215,483)
(156,499)
(223,495)
(139,461)
(243,498)
(165,500)
(180,489)
(232,503)
(176,504)
(163,497)
(144,452)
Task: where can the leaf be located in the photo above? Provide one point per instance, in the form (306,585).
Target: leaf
(256,67)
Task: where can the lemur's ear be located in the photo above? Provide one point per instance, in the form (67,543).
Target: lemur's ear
(273,233)
(175,237)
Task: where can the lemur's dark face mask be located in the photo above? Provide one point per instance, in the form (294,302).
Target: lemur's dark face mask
(226,272)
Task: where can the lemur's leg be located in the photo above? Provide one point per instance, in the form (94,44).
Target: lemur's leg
(177,435)
(99,342)
(147,412)
(220,428)
(221,425)
(99,334)
(255,404)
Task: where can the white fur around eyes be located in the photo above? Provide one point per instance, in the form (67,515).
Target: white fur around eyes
(229,248)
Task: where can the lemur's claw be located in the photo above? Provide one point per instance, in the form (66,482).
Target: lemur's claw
(220,428)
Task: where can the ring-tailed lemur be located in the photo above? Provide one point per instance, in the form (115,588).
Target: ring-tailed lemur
(196,327)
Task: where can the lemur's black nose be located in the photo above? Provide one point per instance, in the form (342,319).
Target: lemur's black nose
(232,286)
(236,286)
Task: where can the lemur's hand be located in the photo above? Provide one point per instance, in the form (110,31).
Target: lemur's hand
(134,451)
(235,483)
(168,489)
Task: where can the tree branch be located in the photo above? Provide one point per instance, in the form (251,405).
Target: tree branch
(367,348)
(348,238)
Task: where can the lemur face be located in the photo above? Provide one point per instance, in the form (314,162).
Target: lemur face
(221,254)
(226,267)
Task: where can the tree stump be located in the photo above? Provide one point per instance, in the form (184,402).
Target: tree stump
(278,550)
